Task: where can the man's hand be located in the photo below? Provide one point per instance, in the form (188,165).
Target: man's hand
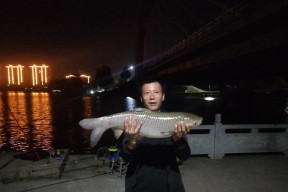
(132,127)
(181,129)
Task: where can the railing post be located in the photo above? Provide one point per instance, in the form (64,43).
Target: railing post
(218,152)
(218,118)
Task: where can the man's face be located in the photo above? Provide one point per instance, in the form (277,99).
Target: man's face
(152,96)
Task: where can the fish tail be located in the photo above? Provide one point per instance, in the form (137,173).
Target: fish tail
(97,129)
(96,135)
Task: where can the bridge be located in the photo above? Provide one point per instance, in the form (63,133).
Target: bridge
(245,42)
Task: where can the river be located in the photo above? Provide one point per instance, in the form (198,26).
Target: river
(50,121)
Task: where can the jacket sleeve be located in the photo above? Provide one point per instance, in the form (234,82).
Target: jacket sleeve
(182,149)
(126,154)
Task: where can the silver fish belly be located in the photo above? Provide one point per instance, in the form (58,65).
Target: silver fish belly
(154,124)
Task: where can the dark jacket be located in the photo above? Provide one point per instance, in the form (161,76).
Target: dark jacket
(153,166)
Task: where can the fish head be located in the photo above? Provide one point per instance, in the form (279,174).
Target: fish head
(192,119)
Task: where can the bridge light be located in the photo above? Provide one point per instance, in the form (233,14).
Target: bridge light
(209,98)
(131,68)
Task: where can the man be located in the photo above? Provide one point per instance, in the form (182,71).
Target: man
(152,161)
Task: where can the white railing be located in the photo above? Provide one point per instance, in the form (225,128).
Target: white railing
(217,140)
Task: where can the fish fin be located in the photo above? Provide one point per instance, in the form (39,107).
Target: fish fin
(96,135)
(117,132)
(88,123)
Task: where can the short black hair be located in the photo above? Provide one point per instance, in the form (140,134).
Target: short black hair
(148,80)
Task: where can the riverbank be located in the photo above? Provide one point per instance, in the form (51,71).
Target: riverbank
(237,173)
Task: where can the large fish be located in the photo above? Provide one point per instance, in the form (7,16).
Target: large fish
(154,124)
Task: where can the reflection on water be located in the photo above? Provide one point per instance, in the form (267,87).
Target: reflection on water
(25,121)
(47,121)
(41,120)
(87,102)
(18,127)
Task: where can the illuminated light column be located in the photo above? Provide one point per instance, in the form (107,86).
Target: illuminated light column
(36,69)
(19,73)
(34,74)
(86,76)
(69,76)
(9,69)
(44,74)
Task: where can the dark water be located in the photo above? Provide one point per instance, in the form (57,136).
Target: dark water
(48,121)
(235,108)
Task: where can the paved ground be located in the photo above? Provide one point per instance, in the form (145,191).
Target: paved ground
(249,173)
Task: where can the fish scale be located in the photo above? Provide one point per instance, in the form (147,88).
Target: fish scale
(154,124)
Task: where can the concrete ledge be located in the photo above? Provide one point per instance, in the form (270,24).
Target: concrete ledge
(77,162)
(13,169)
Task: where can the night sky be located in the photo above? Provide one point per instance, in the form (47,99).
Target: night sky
(78,36)
(67,35)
